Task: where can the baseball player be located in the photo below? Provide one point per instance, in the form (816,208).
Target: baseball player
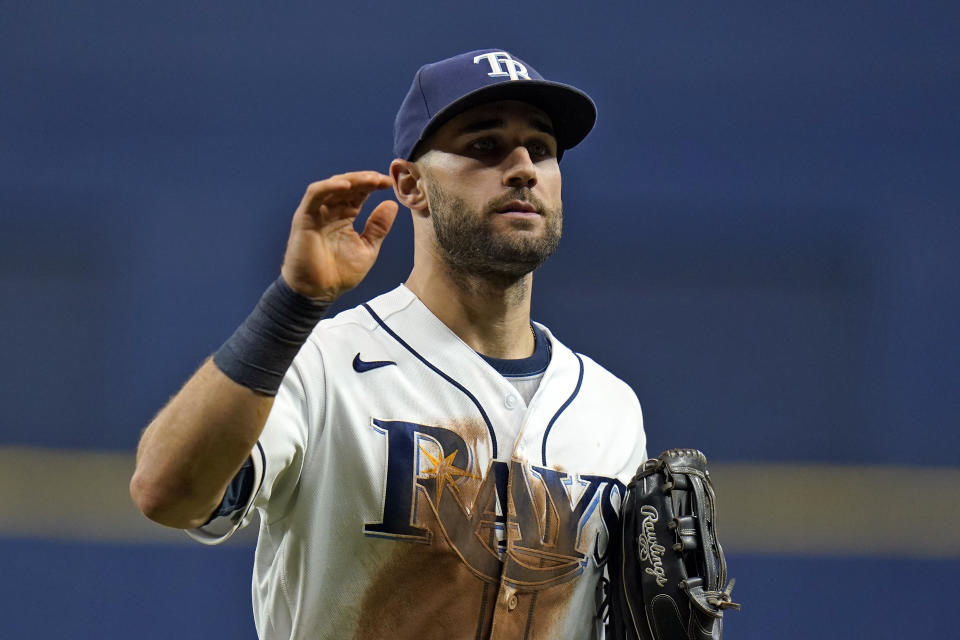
(429,464)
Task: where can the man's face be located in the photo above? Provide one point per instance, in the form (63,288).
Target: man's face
(493,187)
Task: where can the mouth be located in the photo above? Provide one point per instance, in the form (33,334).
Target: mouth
(518,207)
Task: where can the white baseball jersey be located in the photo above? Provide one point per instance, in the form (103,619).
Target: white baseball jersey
(407,491)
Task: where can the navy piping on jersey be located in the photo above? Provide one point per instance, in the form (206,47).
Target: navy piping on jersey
(240,489)
(493,436)
(566,404)
(263,470)
(522,367)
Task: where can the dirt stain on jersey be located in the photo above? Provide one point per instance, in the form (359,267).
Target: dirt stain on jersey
(425,592)
(475,433)
(537,615)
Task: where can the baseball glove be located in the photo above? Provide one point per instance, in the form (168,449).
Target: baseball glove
(667,570)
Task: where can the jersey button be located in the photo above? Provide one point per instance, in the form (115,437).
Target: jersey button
(510,401)
(512,603)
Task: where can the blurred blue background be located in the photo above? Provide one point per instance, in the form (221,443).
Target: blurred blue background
(761,238)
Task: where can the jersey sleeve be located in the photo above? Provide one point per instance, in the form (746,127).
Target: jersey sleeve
(639,444)
(267,482)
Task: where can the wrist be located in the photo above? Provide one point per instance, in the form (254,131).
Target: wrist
(302,287)
(261,350)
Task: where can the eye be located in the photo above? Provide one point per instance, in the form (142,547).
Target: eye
(540,150)
(482,145)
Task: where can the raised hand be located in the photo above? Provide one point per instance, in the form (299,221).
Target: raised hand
(325,255)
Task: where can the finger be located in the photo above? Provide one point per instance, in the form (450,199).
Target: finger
(362,184)
(379,223)
(345,191)
(357,181)
(370,179)
(319,191)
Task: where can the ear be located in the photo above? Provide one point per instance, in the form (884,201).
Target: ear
(407,185)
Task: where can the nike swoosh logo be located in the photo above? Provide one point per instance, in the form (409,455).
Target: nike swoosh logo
(360,366)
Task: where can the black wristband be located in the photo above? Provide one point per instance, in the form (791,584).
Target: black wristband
(260,351)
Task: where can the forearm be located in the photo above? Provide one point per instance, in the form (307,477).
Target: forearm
(194,446)
(197,443)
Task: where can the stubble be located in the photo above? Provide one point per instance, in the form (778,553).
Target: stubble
(471,246)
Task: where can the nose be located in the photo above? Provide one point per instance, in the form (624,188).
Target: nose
(520,171)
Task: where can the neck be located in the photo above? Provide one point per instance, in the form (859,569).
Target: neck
(490,314)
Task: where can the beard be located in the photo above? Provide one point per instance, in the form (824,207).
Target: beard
(472,246)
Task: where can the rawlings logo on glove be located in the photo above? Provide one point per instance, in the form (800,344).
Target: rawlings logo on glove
(650,551)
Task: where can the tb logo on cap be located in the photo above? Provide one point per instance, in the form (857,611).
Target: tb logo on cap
(514,69)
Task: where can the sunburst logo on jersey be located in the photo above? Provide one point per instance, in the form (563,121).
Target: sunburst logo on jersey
(444,471)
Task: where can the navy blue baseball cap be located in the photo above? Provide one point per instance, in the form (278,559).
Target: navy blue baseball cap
(443,89)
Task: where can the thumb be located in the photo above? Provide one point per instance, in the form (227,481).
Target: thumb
(379,223)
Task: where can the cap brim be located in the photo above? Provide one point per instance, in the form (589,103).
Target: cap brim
(572,111)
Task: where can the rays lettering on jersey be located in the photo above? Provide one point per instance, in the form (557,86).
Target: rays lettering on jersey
(520,522)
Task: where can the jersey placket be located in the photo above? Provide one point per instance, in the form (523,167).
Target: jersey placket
(513,607)
(516,603)
(516,613)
